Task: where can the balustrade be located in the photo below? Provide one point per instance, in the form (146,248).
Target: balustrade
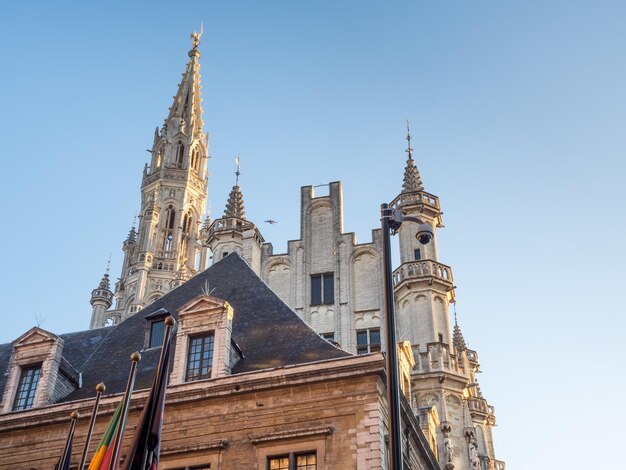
(415,197)
(422,269)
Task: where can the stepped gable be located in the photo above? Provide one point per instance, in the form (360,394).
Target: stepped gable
(268,332)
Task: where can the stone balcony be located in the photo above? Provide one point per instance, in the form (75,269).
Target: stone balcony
(423,269)
(416,198)
(438,358)
(227,224)
(480,406)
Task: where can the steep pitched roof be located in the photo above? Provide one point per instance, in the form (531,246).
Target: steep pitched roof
(268,332)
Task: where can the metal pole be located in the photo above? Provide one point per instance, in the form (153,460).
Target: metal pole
(67,450)
(393,388)
(169,323)
(100,388)
(135,358)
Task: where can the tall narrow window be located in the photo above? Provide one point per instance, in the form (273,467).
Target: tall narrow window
(322,289)
(200,357)
(368,341)
(185,236)
(180,154)
(417,253)
(27,387)
(159,158)
(168,232)
(195,159)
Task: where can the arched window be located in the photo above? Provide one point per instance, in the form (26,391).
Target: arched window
(186,235)
(180,154)
(159,156)
(168,231)
(195,160)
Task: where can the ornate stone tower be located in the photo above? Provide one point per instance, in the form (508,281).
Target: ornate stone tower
(166,249)
(444,376)
(423,286)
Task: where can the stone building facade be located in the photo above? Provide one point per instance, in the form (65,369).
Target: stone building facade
(329,280)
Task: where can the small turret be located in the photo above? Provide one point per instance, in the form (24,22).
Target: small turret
(233,232)
(101,300)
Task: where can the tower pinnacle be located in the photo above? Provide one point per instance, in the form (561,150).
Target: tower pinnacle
(457,336)
(412,180)
(234,206)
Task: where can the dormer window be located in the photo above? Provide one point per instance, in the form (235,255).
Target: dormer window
(204,345)
(157,329)
(27,387)
(200,357)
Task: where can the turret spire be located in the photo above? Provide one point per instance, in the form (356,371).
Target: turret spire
(412,180)
(457,336)
(234,206)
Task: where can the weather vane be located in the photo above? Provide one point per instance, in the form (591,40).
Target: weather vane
(238,172)
(195,37)
(408,150)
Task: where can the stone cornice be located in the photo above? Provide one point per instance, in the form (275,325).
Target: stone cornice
(294,434)
(332,369)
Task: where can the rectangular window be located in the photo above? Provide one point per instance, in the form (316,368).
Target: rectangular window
(200,357)
(418,254)
(328,336)
(293,461)
(157,330)
(368,341)
(323,289)
(440,338)
(27,387)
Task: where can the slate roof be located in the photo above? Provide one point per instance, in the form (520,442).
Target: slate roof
(268,332)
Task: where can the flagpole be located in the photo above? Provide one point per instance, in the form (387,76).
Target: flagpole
(67,451)
(100,388)
(169,324)
(135,358)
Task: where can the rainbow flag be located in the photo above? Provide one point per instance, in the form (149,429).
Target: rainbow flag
(102,458)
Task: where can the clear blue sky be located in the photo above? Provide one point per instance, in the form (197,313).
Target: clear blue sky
(517,112)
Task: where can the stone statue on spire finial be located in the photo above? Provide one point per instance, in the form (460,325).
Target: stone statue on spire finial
(195,37)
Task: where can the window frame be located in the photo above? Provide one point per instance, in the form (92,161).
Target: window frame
(367,347)
(202,365)
(31,394)
(153,323)
(326,280)
(292,460)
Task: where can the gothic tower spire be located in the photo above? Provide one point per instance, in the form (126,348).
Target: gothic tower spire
(166,247)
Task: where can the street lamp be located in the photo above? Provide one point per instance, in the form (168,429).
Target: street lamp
(391,220)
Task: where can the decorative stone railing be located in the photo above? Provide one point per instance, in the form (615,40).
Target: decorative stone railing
(231,223)
(437,358)
(422,269)
(480,405)
(416,197)
(499,465)
(166,254)
(175,174)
